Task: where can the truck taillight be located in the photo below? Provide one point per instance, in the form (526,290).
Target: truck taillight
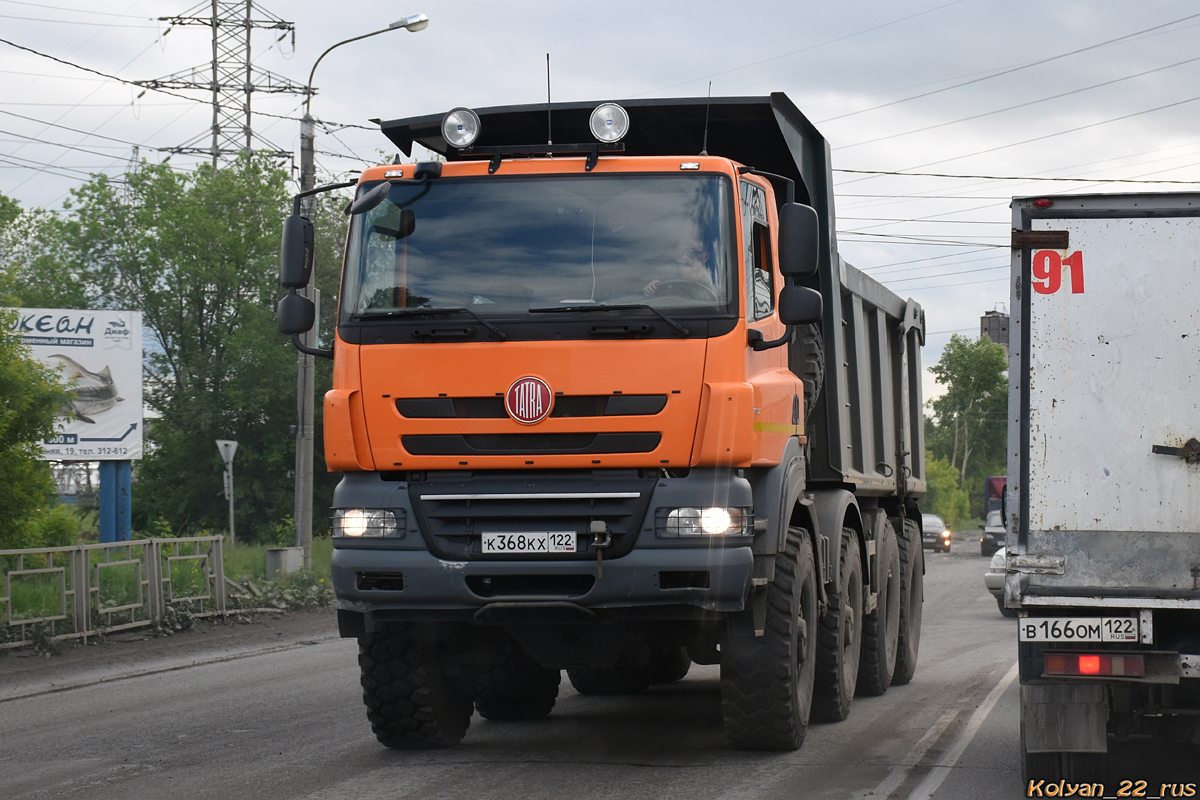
(1097,664)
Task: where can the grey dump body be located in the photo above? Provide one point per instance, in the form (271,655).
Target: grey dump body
(1103,478)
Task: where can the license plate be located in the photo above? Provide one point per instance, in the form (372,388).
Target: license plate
(530,542)
(1078,629)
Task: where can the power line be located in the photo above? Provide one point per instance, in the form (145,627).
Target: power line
(76,22)
(1019,105)
(1013,69)
(911,174)
(804,49)
(73,10)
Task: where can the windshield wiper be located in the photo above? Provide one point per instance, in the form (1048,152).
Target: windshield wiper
(433,312)
(682,331)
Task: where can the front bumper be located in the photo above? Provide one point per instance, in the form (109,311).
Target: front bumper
(646,584)
(433,570)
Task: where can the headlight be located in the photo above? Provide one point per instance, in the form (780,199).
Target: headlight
(609,122)
(712,521)
(460,127)
(365,522)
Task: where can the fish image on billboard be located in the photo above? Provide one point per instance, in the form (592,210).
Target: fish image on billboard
(92,392)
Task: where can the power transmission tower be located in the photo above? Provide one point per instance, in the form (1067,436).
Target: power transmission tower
(230,77)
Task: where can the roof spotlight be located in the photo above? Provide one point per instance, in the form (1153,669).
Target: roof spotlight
(460,127)
(609,122)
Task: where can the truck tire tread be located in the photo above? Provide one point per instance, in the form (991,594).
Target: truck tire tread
(515,687)
(410,703)
(881,628)
(767,685)
(839,642)
(912,599)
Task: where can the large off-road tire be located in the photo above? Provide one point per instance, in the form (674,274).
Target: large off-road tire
(839,644)
(881,628)
(610,680)
(912,601)
(410,701)
(671,664)
(810,347)
(514,686)
(767,681)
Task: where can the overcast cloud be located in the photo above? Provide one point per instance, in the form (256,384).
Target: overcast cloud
(1104,90)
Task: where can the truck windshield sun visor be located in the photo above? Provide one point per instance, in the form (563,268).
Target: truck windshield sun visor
(516,247)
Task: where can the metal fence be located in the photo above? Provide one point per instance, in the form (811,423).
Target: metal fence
(57,593)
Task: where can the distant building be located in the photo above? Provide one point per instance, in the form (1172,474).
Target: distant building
(994,325)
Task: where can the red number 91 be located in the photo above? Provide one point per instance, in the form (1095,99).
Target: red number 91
(1048,271)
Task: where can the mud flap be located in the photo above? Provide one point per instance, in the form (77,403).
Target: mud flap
(1065,718)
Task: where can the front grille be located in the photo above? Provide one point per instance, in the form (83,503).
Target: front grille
(455,511)
(520,444)
(613,405)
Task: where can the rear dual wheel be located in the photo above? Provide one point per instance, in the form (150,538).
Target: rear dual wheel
(881,628)
(912,600)
(839,645)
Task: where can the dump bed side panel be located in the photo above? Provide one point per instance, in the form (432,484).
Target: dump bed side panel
(1104,374)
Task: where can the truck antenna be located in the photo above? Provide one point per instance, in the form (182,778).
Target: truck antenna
(549,130)
(707,105)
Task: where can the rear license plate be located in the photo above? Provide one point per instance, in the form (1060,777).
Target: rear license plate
(1078,629)
(530,542)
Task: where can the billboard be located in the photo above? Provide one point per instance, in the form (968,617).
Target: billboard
(98,354)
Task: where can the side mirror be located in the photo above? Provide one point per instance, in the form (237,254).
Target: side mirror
(295,314)
(799,305)
(296,252)
(369,199)
(799,240)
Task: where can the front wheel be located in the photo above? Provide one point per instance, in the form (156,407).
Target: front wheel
(412,701)
(767,681)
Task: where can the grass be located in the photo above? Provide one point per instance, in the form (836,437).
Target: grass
(250,561)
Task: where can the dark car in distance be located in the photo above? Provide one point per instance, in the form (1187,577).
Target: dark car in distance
(993,534)
(934,533)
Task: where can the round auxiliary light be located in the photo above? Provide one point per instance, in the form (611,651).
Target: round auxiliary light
(609,122)
(460,127)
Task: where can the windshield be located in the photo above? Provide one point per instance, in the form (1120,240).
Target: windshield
(506,245)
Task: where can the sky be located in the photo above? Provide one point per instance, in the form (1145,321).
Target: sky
(938,112)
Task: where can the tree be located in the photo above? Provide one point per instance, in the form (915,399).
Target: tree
(943,495)
(32,272)
(969,427)
(30,394)
(197,253)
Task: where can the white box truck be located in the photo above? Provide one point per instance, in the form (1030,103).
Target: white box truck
(1103,504)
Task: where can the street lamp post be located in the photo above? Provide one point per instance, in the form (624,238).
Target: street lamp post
(305,378)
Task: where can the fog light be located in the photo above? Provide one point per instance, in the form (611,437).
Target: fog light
(609,122)
(460,127)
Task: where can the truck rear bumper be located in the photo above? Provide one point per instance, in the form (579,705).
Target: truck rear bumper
(657,583)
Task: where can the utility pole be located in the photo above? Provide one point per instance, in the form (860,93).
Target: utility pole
(230,77)
(305,378)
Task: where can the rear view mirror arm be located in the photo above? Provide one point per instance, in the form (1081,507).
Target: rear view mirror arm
(319,190)
(312,351)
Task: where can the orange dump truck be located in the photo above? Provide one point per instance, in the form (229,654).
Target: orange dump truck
(614,405)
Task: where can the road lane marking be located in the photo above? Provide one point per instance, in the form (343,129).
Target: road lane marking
(941,770)
(912,757)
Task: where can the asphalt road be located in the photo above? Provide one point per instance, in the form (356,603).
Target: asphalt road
(284,719)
